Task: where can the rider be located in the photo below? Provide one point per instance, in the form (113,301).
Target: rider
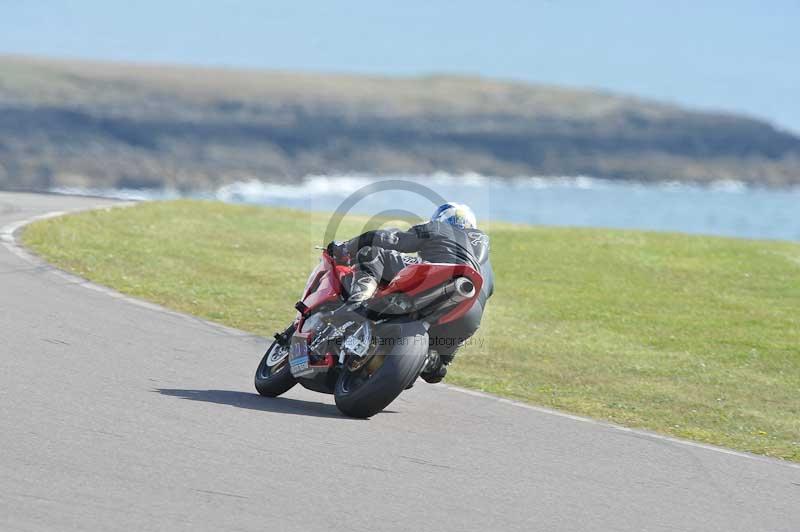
(451,236)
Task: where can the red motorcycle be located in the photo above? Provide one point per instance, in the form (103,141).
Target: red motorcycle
(365,363)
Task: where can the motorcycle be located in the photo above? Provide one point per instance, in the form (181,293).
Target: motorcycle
(365,363)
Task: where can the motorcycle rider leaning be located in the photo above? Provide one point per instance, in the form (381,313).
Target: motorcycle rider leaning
(451,237)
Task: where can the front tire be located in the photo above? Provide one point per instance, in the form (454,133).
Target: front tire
(273,376)
(366,392)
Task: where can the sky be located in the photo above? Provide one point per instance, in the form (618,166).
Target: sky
(739,56)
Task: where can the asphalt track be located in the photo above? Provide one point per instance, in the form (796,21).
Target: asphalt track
(122,416)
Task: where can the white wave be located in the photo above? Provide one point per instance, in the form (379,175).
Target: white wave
(342,185)
(254,191)
(128,194)
(548,182)
(728,185)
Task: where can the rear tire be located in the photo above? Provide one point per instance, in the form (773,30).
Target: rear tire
(401,366)
(273,376)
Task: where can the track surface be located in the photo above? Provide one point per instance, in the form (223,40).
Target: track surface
(118,416)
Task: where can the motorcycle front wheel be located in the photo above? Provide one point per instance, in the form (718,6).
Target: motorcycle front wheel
(273,377)
(369,388)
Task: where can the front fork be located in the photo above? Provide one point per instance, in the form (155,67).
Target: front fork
(284,338)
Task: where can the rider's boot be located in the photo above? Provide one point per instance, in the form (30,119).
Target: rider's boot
(362,287)
(435,368)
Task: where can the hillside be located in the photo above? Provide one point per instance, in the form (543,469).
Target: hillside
(105,124)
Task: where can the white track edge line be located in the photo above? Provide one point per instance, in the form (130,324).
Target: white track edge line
(607,424)
(8,236)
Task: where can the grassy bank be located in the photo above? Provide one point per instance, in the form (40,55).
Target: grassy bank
(691,336)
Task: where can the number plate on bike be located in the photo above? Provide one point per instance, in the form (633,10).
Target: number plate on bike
(298,355)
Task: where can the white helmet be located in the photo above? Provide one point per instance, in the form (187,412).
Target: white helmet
(455,214)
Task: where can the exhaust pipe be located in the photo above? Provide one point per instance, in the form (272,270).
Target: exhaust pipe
(464,289)
(458,290)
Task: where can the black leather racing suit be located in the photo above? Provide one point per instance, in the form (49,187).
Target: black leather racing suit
(381,253)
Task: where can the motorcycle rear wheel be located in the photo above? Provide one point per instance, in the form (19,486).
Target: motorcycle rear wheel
(273,376)
(369,389)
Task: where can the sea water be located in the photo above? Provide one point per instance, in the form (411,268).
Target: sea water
(720,208)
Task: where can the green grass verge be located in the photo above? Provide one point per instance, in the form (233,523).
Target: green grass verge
(696,337)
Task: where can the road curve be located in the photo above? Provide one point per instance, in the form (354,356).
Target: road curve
(118,416)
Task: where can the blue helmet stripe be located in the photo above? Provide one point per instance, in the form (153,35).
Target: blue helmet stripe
(455,214)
